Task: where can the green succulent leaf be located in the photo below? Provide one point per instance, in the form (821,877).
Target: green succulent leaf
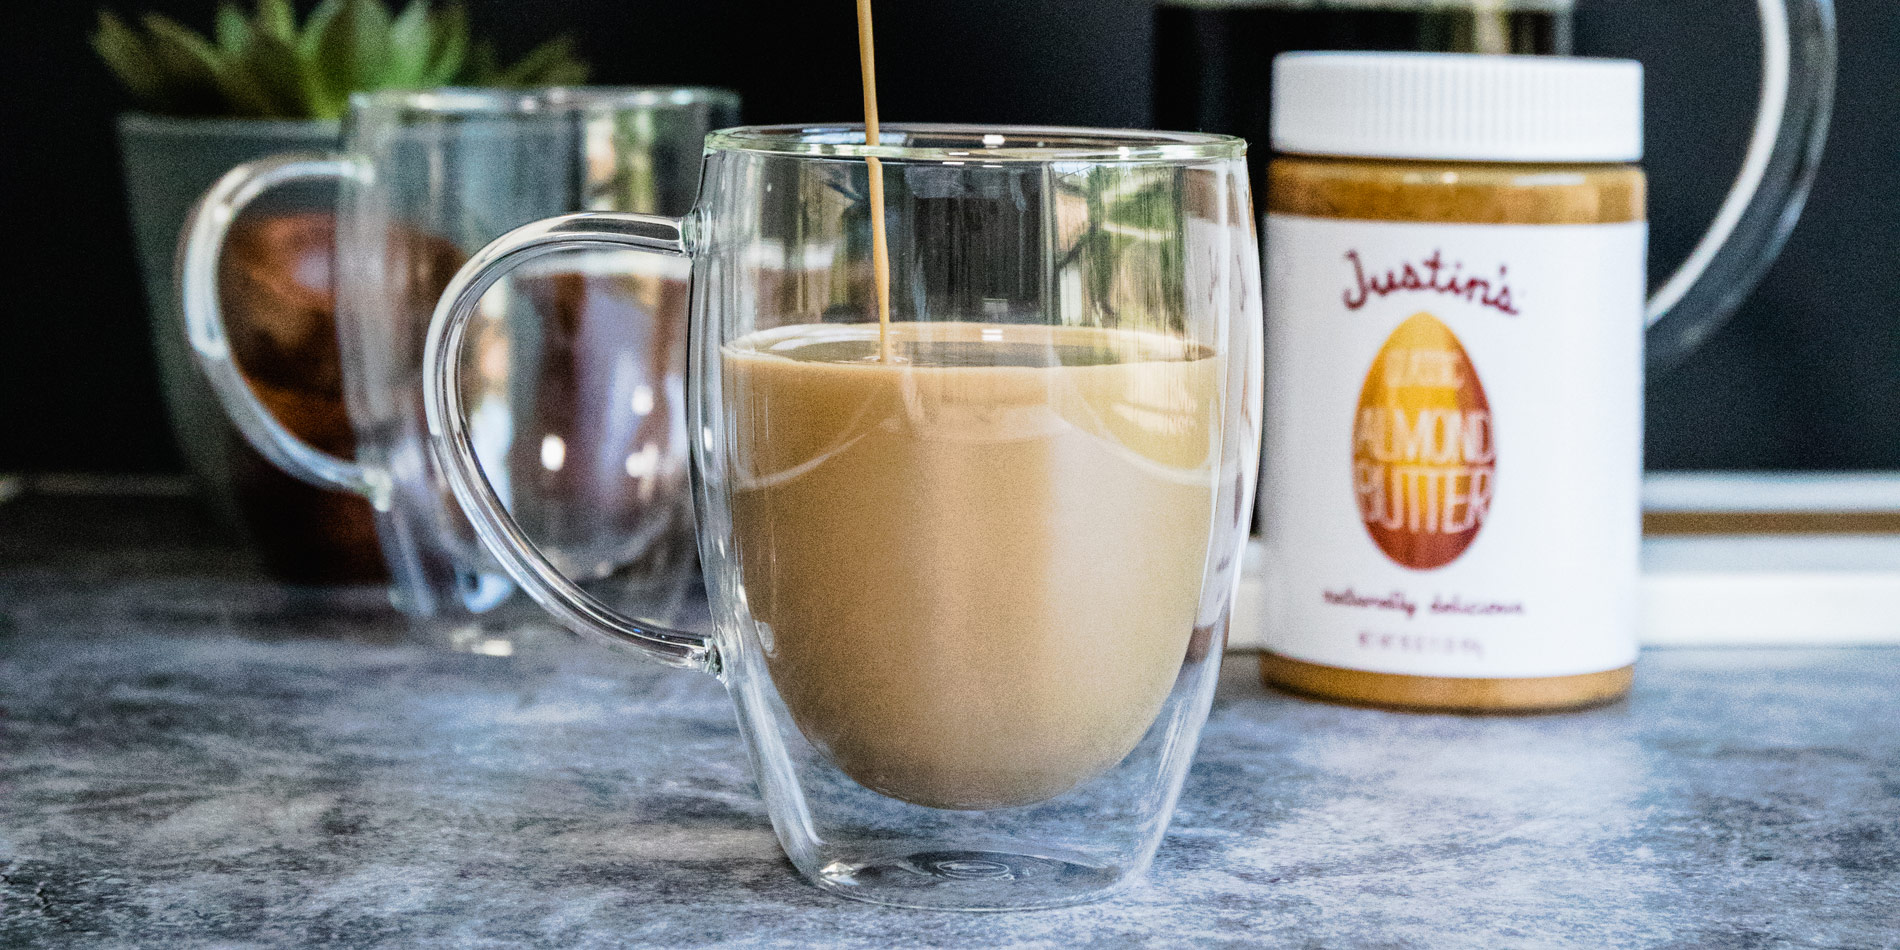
(409,48)
(179,50)
(448,47)
(352,52)
(245,90)
(315,27)
(129,59)
(233,30)
(188,62)
(276,18)
(281,76)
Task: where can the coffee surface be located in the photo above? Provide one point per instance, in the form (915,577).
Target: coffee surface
(974,566)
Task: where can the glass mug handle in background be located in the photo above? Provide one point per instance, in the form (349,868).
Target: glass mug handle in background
(1755,220)
(455,448)
(206,230)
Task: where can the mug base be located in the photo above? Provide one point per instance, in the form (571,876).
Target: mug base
(971,880)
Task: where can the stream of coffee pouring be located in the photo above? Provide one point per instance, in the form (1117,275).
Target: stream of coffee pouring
(880,245)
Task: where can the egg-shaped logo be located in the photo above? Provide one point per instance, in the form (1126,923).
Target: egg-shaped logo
(1424,454)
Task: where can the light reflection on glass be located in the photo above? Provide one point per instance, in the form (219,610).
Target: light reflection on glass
(645,463)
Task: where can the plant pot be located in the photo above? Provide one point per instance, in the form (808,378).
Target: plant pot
(275,280)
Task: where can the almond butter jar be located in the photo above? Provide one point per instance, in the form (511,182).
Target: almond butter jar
(1453,457)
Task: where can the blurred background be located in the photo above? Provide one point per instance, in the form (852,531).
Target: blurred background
(1806,377)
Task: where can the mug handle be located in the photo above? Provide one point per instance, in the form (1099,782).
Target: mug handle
(204,236)
(1797,98)
(455,451)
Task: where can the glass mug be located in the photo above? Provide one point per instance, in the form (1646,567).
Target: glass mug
(969,577)
(581,362)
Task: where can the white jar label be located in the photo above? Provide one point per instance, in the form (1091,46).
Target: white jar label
(1453,462)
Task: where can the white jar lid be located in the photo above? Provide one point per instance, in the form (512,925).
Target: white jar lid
(1458,107)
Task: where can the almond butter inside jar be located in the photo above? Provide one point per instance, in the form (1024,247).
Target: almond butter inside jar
(1453,457)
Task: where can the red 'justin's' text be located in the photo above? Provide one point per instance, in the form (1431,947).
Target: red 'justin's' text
(1429,276)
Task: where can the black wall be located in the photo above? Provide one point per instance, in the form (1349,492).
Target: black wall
(1808,376)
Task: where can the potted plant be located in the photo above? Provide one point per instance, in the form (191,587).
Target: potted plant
(264,83)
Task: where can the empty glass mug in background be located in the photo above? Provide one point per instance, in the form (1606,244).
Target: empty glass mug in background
(1214,71)
(970,579)
(579,373)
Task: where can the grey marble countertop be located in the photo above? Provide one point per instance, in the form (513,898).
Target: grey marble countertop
(193,757)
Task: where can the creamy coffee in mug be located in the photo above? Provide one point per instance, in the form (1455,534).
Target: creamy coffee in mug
(974,566)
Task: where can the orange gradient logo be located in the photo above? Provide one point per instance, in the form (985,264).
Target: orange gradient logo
(1424,455)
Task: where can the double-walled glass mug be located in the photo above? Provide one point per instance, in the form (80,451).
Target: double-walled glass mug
(969,571)
(577,380)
